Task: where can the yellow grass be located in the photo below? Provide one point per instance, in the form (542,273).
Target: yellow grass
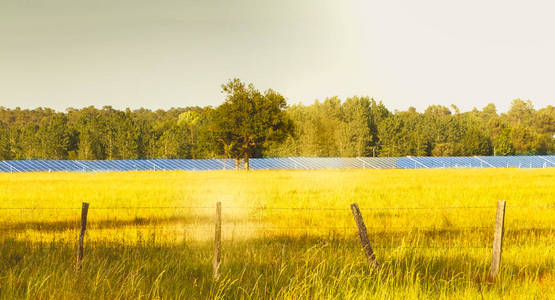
(426,225)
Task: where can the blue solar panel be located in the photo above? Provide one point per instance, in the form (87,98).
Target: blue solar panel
(143,165)
(271,163)
(25,165)
(311,163)
(211,164)
(91,165)
(56,165)
(549,160)
(200,164)
(5,167)
(168,164)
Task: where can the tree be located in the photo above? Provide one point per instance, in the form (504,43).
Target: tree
(476,143)
(503,145)
(544,120)
(324,122)
(521,112)
(248,121)
(392,136)
(447,149)
(354,136)
(526,141)
(438,110)
(489,111)
(4,142)
(170,143)
(91,126)
(53,137)
(30,145)
(190,120)
(126,137)
(358,126)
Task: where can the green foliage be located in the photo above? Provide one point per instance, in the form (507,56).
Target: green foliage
(4,142)
(170,143)
(447,149)
(249,121)
(476,143)
(254,124)
(521,112)
(354,135)
(53,137)
(503,144)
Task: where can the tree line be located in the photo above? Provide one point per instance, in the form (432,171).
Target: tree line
(251,123)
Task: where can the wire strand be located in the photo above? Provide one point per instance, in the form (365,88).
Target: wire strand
(273,208)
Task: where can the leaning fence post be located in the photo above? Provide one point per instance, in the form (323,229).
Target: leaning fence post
(498,240)
(218,241)
(363,235)
(84,212)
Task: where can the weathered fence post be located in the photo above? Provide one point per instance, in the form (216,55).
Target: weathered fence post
(363,235)
(218,241)
(84,212)
(498,240)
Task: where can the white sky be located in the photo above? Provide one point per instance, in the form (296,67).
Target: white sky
(161,54)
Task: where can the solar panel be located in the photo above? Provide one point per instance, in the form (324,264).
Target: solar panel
(5,167)
(309,163)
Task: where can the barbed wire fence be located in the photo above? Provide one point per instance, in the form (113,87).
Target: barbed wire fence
(279,208)
(366,234)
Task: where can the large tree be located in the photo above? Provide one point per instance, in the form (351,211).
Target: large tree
(249,121)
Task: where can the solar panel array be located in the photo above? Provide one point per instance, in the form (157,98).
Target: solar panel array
(310,163)
(476,162)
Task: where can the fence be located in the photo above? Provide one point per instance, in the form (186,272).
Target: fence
(309,163)
(369,236)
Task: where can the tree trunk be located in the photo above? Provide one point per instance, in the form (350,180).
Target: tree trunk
(236,163)
(246,161)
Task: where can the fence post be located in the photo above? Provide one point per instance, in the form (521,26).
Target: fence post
(84,212)
(218,241)
(363,235)
(498,240)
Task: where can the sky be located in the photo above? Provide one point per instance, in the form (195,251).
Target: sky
(162,54)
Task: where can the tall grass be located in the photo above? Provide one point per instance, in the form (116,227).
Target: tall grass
(287,234)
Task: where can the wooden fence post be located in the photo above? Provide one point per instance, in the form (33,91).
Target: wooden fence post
(363,235)
(498,240)
(84,212)
(218,241)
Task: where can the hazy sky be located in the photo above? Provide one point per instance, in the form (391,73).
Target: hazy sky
(161,54)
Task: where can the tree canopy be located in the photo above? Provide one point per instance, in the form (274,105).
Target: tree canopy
(253,124)
(248,122)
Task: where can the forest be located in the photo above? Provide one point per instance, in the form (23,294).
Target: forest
(356,126)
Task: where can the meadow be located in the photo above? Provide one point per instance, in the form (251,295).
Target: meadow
(286,234)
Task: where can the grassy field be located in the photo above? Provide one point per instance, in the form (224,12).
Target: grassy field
(286,234)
